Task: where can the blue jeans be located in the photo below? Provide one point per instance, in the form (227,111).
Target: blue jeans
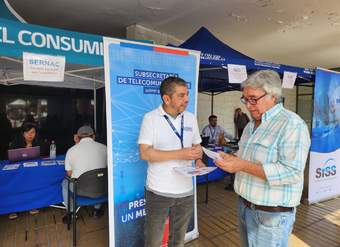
(261,228)
(64,191)
(158,208)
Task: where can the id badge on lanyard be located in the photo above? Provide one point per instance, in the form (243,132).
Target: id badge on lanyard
(180,136)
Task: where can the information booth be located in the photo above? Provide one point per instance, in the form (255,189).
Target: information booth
(57,108)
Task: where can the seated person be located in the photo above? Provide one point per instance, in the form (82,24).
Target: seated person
(214,131)
(85,155)
(28,138)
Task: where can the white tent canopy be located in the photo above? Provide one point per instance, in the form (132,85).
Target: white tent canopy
(76,76)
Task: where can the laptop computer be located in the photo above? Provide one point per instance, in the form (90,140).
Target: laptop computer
(24,153)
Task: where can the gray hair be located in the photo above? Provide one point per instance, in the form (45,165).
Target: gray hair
(267,80)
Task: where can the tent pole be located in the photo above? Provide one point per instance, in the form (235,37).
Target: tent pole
(95,107)
(212,103)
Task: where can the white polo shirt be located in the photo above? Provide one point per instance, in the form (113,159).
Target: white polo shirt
(157,132)
(85,156)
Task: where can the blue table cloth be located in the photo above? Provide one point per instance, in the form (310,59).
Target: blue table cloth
(27,188)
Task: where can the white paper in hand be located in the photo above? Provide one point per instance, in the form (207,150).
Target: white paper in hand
(211,154)
(190,171)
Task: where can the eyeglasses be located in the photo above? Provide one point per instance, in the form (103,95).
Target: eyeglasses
(252,101)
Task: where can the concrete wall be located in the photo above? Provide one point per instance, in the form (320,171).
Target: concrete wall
(305,104)
(226,103)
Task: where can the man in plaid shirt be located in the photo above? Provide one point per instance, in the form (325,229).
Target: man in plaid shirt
(269,165)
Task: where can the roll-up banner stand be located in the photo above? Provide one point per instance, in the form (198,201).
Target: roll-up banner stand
(133,73)
(324,167)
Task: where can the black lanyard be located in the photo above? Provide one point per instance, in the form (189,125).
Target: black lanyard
(180,136)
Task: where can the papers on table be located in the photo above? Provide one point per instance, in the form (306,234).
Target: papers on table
(11,167)
(190,171)
(48,163)
(211,154)
(44,162)
(30,164)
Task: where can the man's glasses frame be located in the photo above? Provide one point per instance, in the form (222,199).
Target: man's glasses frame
(252,101)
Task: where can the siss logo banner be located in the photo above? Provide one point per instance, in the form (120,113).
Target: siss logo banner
(324,181)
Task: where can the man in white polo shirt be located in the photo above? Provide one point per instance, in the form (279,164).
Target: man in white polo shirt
(85,156)
(169,138)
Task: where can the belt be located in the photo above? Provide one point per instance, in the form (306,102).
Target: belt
(266,208)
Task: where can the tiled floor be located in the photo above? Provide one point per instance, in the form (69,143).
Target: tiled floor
(47,230)
(316,226)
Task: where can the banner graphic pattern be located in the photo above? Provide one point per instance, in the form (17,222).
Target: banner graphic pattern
(134,73)
(324,180)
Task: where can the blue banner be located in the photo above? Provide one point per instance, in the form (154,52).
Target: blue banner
(134,73)
(326,116)
(324,182)
(78,48)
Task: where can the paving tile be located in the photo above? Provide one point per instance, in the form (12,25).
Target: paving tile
(316,225)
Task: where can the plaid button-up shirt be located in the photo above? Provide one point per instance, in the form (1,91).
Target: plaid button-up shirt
(281,144)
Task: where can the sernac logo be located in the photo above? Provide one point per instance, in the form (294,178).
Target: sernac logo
(328,170)
(44,63)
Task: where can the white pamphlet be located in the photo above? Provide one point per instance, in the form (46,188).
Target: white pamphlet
(211,154)
(48,163)
(190,171)
(30,164)
(11,167)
